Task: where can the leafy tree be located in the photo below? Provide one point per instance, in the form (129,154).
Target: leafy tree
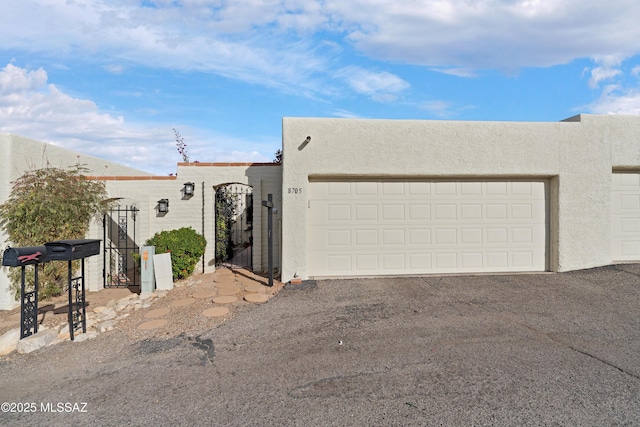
(50,204)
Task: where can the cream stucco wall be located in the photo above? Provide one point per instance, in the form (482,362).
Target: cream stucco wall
(143,190)
(197,212)
(19,155)
(577,156)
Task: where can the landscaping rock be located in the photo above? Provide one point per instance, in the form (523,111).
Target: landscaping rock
(106,326)
(108,314)
(145,296)
(87,336)
(9,340)
(33,342)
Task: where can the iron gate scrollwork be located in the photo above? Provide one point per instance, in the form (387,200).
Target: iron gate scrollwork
(234,225)
(119,247)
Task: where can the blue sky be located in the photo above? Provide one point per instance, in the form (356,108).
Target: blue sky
(112,78)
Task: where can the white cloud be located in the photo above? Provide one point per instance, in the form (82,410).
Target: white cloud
(114,69)
(456,71)
(344,114)
(617,100)
(31,107)
(599,74)
(16,80)
(621,95)
(381,86)
(608,68)
(285,43)
(442,109)
(502,34)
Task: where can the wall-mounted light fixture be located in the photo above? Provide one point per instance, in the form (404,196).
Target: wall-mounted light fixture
(163,206)
(188,189)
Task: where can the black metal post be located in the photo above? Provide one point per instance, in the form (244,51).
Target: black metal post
(104,251)
(83,302)
(28,305)
(23,328)
(35,299)
(269,205)
(70,312)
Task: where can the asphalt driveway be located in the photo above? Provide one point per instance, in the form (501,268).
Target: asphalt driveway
(540,349)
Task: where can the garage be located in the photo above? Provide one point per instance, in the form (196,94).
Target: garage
(361,227)
(625,216)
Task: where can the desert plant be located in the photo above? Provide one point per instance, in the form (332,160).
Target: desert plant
(50,204)
(181,146)
(186,247)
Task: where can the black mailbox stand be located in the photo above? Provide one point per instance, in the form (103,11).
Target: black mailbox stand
(60,250)
(77,315)
(22,257)
(68,250)
(28,305)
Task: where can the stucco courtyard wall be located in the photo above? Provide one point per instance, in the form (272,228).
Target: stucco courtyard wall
(143,190)
(19,155)
(576,156)
(198,211)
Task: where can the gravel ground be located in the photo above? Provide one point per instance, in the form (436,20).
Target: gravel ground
(539,349)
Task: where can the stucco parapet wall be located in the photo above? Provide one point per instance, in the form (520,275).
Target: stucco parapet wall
(132,178)
(26,154)
(226,164)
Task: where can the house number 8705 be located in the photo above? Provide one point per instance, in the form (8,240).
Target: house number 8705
(295,190)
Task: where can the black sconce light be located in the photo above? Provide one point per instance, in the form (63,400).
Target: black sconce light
(163,206)
(188,189)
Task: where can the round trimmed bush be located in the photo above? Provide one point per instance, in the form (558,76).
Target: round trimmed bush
(186,247)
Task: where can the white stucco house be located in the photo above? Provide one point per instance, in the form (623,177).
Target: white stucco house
(403,197)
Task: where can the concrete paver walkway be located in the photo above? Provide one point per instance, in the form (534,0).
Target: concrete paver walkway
(198,297)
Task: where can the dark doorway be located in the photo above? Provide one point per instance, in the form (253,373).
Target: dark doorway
(234,225)
(119,247)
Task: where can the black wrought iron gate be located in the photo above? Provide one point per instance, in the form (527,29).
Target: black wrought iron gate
(119,247)
(234,225)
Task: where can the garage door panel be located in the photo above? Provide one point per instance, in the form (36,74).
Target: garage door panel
(394,236)
(419,212)
(395,227)
(419,262)
(419,236)
(625,216)
(365,189)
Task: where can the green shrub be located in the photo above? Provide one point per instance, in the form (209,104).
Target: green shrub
(186,247)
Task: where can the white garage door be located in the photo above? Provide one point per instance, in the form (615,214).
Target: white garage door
(625,217)
(359,227)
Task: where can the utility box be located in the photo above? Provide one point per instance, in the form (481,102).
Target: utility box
(147,277)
